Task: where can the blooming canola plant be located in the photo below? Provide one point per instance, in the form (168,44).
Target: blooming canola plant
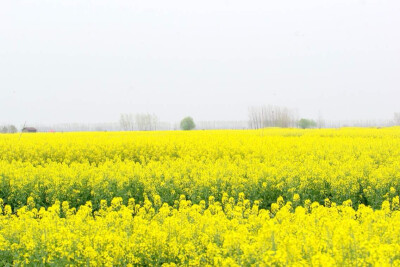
(253,197)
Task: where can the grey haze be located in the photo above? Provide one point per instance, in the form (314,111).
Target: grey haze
(90,61)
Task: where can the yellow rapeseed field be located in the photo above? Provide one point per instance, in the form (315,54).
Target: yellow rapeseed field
(271,197)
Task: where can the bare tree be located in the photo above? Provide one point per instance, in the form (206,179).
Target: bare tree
(255,118)
(140,121)
(396,118)
(8,129)
(126,122)
(146,122)
(271,116)
(12,129)
(155,122)
(320,121)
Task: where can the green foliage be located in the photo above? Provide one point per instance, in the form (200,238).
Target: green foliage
(305,123)
(187,124)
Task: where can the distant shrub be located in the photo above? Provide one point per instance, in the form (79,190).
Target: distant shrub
(305,123)
(187,124)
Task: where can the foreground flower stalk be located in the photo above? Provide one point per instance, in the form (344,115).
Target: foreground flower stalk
(209,233)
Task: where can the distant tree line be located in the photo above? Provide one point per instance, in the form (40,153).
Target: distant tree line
(141,122)
(271,116)
(259,117)
(8,129)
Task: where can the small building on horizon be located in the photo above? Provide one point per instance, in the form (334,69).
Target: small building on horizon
(29,130)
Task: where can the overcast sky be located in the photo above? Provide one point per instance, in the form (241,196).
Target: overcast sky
(90,61)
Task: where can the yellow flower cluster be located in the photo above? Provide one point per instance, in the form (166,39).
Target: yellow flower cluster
(266,197)
(226,233)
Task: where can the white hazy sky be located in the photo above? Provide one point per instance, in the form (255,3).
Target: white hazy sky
(89,61)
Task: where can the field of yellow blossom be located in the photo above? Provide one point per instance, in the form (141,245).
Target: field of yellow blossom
(270,197)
